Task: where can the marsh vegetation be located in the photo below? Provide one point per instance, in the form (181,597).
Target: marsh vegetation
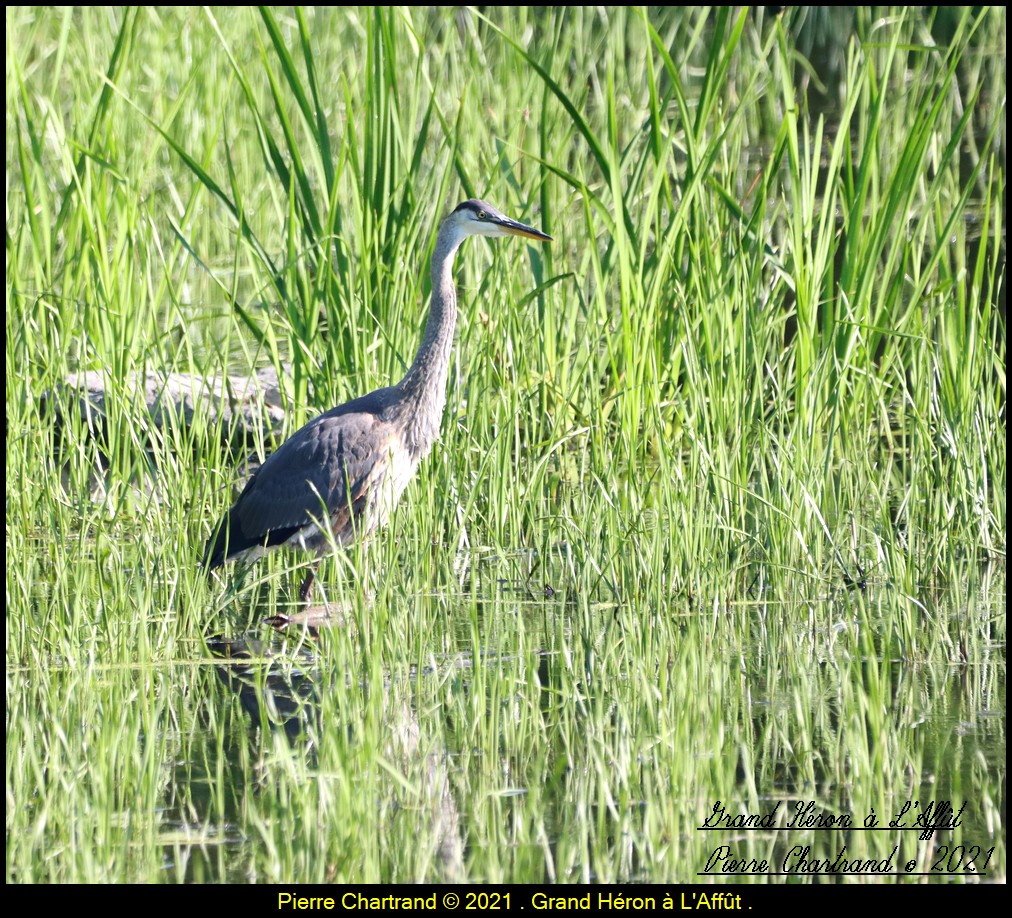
(718,509)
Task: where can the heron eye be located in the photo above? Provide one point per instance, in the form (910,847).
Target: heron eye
(482,215)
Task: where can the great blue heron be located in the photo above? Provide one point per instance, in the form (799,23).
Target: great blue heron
(340,476)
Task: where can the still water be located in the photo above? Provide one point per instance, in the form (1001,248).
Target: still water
(763,770)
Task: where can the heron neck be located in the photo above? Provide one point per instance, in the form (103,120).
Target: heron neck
(424,385)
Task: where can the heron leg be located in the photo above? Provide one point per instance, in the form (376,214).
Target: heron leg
(306,590)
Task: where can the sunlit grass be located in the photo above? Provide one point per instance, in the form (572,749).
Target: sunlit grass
(718,510)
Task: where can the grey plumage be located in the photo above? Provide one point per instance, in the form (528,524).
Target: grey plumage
(346,470)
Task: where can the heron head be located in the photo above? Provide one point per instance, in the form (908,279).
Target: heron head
(477,218)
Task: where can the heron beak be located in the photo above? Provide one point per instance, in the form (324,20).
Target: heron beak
(515,228)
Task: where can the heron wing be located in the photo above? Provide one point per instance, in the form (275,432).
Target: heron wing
(328,469)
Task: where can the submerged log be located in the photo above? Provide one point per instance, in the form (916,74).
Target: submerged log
(242,407)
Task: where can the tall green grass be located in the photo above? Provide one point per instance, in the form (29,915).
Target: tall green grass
(720,496)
